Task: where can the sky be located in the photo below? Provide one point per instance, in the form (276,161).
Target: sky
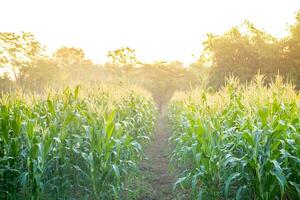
(156,29)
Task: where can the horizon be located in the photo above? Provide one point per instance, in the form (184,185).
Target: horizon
(154,29)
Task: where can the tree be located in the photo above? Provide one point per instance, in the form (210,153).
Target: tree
(292,51)
(71,62)
(162,79)
(18,51)
(70,56)
(40,74)
(242,51)
(294,40)
(6,84)
(200,72)
(125,58)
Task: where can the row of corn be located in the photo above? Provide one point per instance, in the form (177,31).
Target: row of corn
(80,143)
(242,142)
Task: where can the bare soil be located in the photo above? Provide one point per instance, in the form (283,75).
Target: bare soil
(158,178)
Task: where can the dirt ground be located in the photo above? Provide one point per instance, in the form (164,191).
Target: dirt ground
(158,178)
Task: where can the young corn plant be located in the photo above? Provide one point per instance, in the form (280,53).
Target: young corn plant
(239,143)
(74,144)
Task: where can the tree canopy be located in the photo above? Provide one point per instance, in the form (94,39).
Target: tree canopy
(18,51)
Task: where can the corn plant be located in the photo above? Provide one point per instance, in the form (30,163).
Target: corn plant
(72,144)
(242,142)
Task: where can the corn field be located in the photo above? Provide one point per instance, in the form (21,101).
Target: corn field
(242,142)
(80,143)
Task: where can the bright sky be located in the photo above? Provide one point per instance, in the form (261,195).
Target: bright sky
(156,29)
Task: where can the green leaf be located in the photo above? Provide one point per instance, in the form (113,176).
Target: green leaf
(34,151)
(179,181)
(278,173)
(76,92)
(296,186)
(116,170)
(229,180)
(238,195)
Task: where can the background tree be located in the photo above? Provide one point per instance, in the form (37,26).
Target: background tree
(6,84)
(69,56)
(291,54)
(18,51)
(41,74)
(125,58)
(242,52)
(72,63)
(200,72)
(162,79)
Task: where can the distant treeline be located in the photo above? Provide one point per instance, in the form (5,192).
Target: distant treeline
(243,51)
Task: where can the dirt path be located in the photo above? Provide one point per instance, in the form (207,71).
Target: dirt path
(158,180)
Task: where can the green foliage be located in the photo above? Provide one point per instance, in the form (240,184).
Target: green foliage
(125,58)
(72,144)
(18,50)
(239,143)
(39,75)
(6,84)
(244,50)
(162,79)
(292,52)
